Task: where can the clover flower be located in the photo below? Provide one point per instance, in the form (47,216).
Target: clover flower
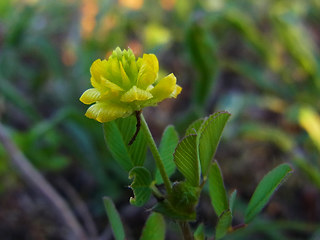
(123,85)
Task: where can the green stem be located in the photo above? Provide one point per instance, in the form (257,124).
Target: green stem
(155,153)
(186,231)
(155,191)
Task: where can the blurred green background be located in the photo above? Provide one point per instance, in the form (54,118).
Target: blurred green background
(259,60)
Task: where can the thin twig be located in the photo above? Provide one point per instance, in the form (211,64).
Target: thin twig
(37,182)
(78,205)
(239,226)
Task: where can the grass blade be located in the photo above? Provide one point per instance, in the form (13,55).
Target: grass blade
(114,219)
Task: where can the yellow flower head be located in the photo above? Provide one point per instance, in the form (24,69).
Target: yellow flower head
(123,85)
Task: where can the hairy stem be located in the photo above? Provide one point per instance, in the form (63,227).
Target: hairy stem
(156,155)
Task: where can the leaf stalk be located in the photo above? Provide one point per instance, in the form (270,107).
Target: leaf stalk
(156,154)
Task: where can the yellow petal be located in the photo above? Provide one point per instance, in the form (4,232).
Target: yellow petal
(98,69)
(110,95)
(149,88)
(124,76)
(133,71)
(90,96)
(164,88)
(135,94)
(110,85)
(148,71)
(113,72)
(139,63)
(176,91)
(107,111)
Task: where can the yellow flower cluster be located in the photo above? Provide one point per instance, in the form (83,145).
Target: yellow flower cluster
(123,85)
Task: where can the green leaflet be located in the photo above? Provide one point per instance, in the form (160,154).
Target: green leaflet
(186,160)
(154,228)
(210,133)
(116,145)
(223,225)
(118,134)
(232,200)
(217,190)
(267,186)
(167,146)
(114,219)
(194,127)
(199,233)
(140,185)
